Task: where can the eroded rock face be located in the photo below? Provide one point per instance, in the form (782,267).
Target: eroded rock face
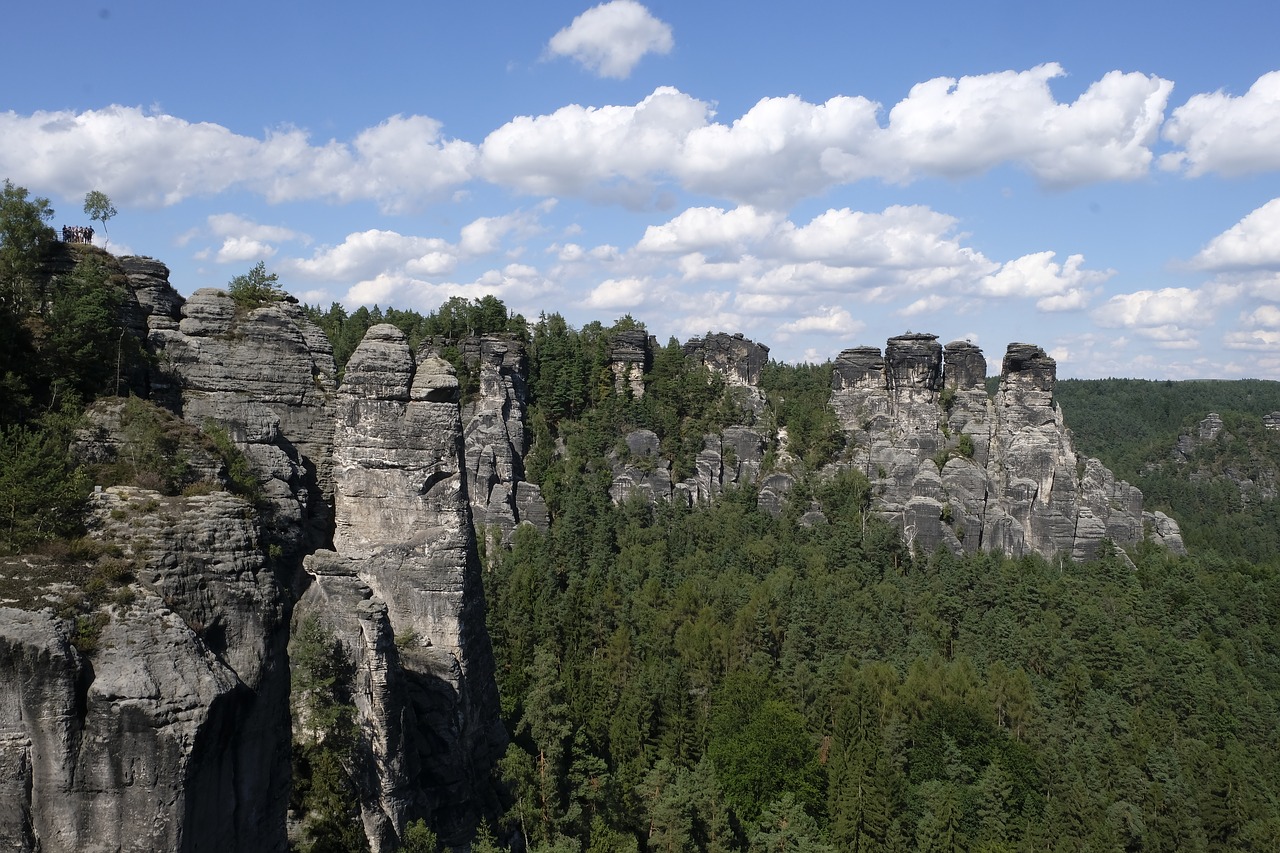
(406,566)
(173,734)
(737,358)
(955,469)
(267,377)
(494,436)
(630,357)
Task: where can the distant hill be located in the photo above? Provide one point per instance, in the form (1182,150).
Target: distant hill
(1216,476)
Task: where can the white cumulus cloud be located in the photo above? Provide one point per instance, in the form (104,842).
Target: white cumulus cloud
(236,249)
(1252,243)
(704,228)
(1168,317)
(959,127)
(370,254)
(612,38)
(1057,287)
(830,320)
(152,160)
(619,293)
(1227,134)
(611,151)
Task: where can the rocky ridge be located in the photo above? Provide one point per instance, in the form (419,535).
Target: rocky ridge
(371,495)
(175,732)
(950,466)
(954,468)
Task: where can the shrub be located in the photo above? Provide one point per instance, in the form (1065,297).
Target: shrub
(242,480)
(255,288)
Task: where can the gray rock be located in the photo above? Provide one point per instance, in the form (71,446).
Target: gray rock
(494,432)
(403,518)
(630,357)
(266,376)
(735,357)
(965,369)
(174,734)
(965,472)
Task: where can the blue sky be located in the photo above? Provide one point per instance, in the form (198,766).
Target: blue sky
(1100,179)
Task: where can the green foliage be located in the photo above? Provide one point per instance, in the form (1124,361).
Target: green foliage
(42,491)
(154,450)
(456,319)
(800,397)
(99,207)
(84,345)
(418,838)
(61,337)
(241,478)
(1117,420)
(325,735)
(25,241)
(947,398)
(719,679)
(1133,426)
(255,288)
(761,749)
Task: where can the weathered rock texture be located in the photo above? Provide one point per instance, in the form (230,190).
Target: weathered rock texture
(494,435)
(174,734)
(731,457)
(954,468)
(405,565)
(630,357)
(267,377)
(737,358)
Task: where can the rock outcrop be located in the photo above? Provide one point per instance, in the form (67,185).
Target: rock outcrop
(955,469)
(630,357)
(173,734)
(494,435)
(267,377)
(405,566)
(732,457)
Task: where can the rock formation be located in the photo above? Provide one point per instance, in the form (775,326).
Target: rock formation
(732,457)
(630,357)
(174,734)
(494,435)
(267,377)
(951,467)
(405,567)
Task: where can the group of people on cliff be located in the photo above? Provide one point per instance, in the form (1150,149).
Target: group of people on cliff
(77,233)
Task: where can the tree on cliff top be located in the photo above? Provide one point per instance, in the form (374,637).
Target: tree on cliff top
(99,207)
(255,288)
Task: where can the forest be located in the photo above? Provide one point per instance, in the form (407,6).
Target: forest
(717,678)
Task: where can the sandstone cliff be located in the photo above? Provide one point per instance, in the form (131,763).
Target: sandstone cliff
(952,467)
(173,731)
(405,567)
(173,734)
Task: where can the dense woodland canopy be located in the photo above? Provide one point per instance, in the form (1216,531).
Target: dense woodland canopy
(716,678)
